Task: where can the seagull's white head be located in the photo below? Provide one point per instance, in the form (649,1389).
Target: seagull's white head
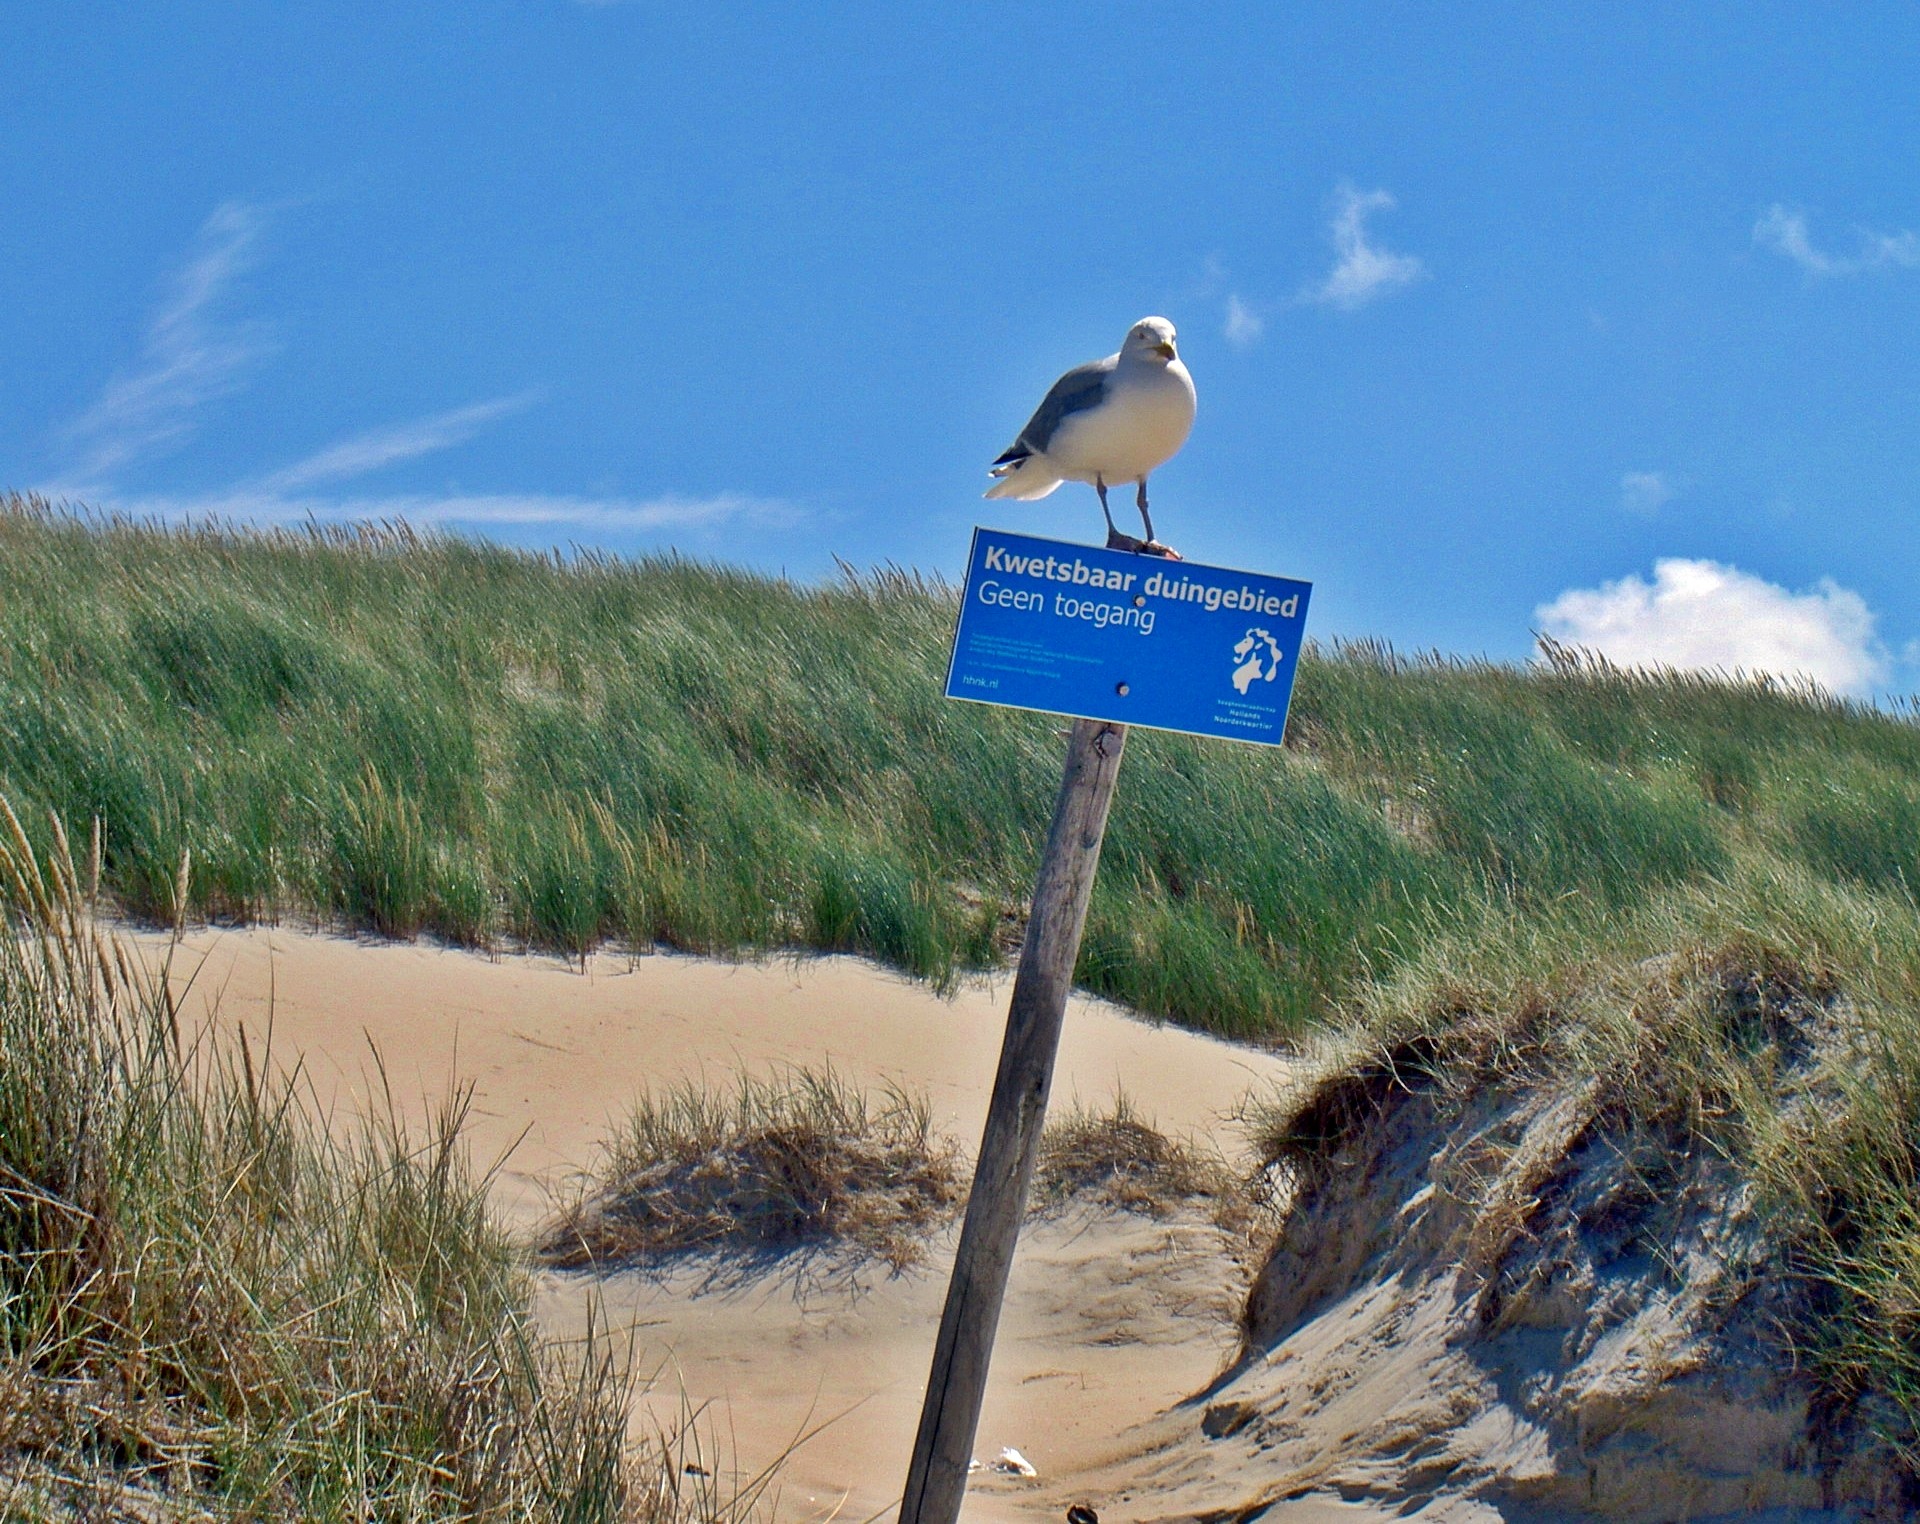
(1151,339)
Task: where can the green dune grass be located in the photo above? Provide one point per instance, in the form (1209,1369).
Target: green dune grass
(426,735)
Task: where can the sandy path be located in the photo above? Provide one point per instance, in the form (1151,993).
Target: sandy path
(1107,1322)
(554,1054)
(1109,1319)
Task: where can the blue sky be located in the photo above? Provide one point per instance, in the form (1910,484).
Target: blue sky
(1597,319)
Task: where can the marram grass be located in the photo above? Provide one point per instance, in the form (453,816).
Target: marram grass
(803,1163)
(419,734)
(214,1308)
(1769,1021)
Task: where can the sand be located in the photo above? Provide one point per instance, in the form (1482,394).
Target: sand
(1369,1395)
(1111,1319)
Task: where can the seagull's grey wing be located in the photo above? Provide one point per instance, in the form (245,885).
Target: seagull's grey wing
(1082,387)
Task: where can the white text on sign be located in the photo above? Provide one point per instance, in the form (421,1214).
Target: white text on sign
(1172,585)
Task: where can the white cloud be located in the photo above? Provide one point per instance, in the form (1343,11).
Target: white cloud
(188,358)
(397,442)
(1362,270)
(1786,233)
(1708,616)
(1243,326)
(1645,492)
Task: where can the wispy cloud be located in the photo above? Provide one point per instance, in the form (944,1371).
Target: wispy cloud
(1362,270)
(1243,326)
(1646,492)
(189,356)
(390,445)
(1785,232)
(1709,616)
(285,496)
(252,505)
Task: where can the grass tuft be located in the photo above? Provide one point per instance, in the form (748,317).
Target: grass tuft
(1119,1160)
(801,1162)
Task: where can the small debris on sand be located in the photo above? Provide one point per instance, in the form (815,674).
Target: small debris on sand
(1013,1463)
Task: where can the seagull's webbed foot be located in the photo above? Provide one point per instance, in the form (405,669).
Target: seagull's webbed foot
(1118,541)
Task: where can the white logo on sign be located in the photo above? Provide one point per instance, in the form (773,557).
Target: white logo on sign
(1256,657)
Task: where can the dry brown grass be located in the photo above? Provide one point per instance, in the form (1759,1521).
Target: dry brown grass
(1117,1159)
(800,1162)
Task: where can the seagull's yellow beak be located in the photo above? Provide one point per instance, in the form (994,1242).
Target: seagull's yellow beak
(1164,349)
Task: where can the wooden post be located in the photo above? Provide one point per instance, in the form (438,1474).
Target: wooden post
(937,1476)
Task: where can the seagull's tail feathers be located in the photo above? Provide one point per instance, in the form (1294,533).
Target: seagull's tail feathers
(1024,479)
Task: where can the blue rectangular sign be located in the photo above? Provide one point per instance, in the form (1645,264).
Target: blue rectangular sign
(1142,640)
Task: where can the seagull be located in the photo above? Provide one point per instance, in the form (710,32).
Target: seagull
(1111,420)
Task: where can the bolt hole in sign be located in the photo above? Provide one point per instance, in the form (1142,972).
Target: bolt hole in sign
(1110,635)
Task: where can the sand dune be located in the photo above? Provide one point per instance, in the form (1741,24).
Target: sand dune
(1110,1320)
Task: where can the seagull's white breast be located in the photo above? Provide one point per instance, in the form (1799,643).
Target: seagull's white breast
(1144,418)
